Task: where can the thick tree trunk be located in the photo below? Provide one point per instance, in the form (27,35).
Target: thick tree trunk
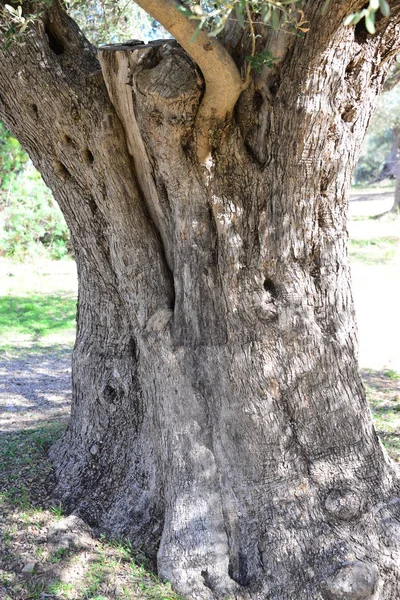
(218,417)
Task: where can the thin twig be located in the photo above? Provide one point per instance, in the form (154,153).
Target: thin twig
(246,82)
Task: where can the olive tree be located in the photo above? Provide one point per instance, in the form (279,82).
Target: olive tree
(218,416)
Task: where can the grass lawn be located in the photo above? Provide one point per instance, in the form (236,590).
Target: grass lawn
(37,306)
(37,320)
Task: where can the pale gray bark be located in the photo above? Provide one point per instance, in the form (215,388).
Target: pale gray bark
(218,416)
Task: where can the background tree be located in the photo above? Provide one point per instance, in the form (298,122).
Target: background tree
(218,416)
(381,156)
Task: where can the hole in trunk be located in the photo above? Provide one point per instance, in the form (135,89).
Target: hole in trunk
(360,32)
(67,139)
(238,569)
(61,170)
(350,68)
(89,158)
(206,579)
(54,43)
(258,101)
(270,287)
(323,186)
(133,347)
(92,206)
(111,394)
(35,110)
(275,85)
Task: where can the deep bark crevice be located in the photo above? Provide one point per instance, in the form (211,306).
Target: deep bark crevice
(55,43)
(88,156)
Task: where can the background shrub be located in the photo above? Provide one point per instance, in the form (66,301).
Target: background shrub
(31,224)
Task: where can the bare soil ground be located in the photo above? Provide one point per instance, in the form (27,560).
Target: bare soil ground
(43,554)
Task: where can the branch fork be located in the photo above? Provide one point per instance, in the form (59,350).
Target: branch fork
(222,77)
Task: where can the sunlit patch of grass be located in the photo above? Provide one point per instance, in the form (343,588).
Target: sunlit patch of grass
(35,590)
(61,589)
(394,375)
(37,306)
(374,251)
(57,511)
(58,555)
(34,318)
(384,400)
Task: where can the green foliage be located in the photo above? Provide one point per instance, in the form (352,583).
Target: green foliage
(105,22)
(368,14)
(13,22)
(387,114)
(374,151)
(378,141)
(102,21)
(275,15)
(31,223)
(12,159)
(262,58)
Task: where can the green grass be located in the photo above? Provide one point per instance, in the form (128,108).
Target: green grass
(37,316)
(384,399)
(37,306)
(393,375)
(21,460)
(373,251)
(59,555)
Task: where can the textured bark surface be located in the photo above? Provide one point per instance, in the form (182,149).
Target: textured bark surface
(218,417)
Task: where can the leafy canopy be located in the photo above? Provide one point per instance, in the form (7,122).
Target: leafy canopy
(116,20)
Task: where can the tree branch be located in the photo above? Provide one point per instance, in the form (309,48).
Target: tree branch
(222,78)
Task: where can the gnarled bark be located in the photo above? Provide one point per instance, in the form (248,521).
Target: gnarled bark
(218,417)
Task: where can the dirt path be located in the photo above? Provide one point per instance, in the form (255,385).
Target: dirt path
(34,390)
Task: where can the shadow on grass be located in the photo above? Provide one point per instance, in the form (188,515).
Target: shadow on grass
(37,315)
(35,351)
(24,475)
(99,570)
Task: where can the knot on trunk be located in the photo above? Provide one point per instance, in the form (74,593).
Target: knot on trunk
(355,581)
(166,70)
(345,504)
